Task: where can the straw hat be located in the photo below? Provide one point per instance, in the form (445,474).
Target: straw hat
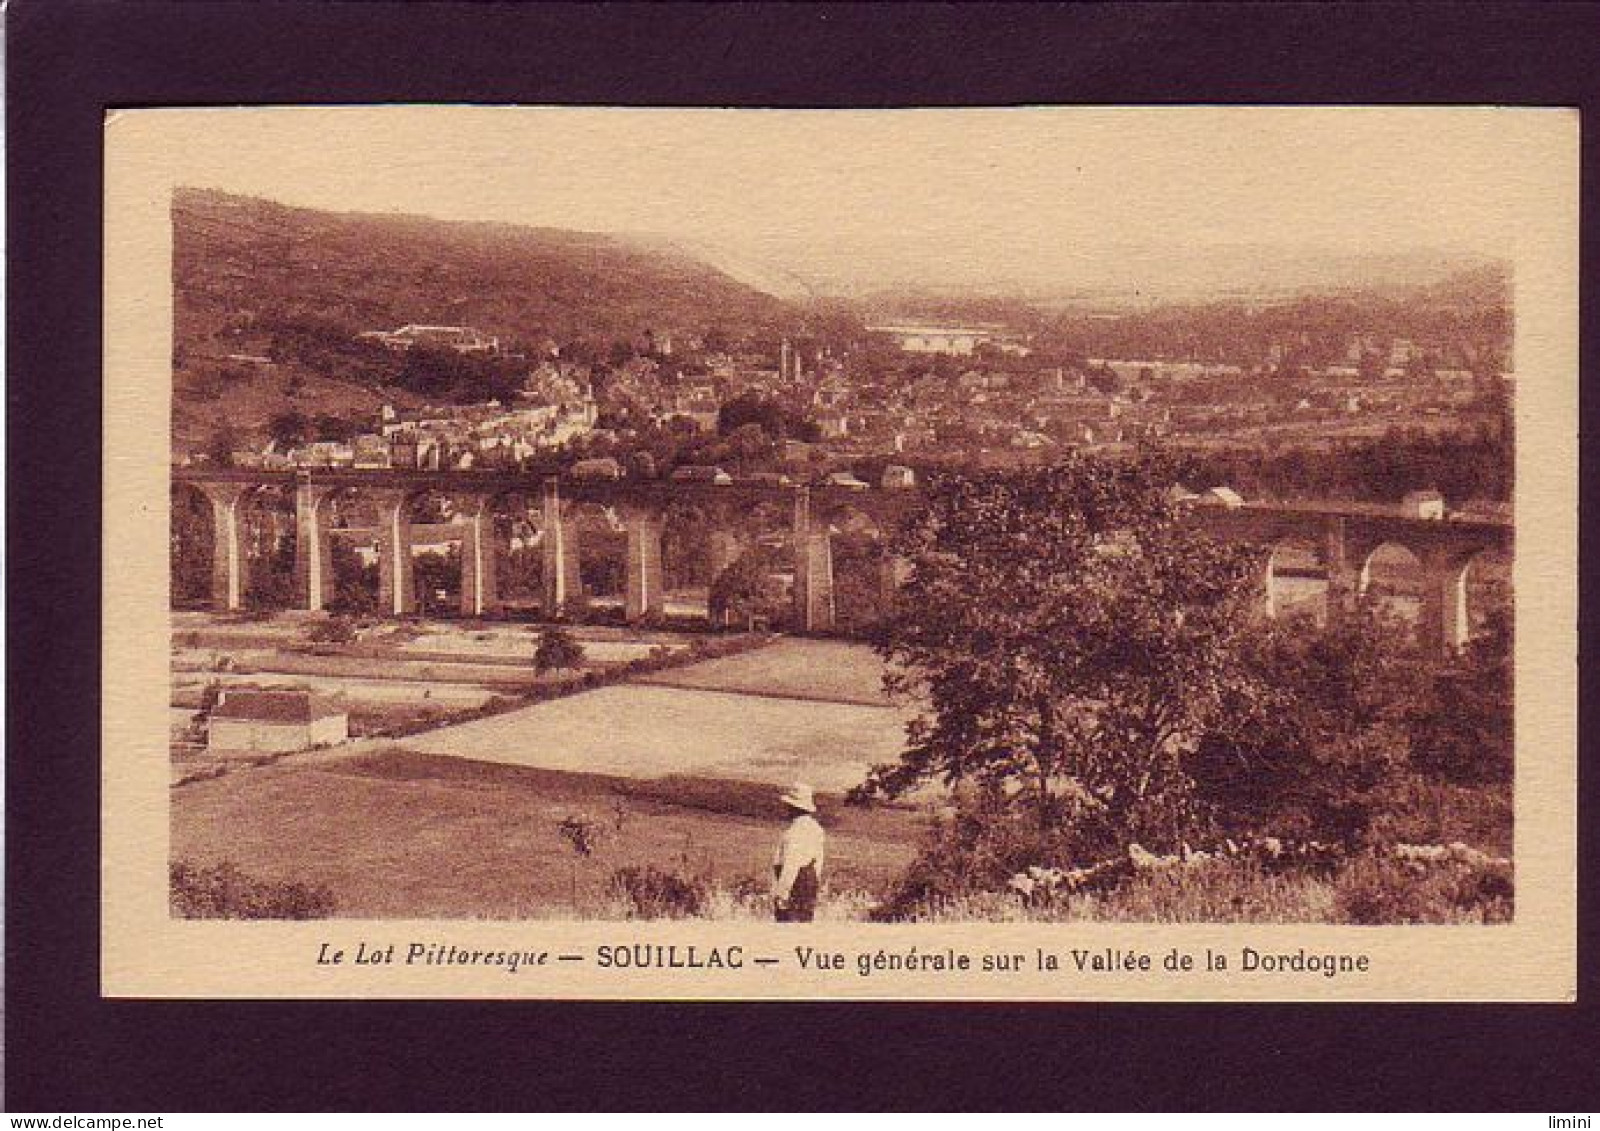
(799,797)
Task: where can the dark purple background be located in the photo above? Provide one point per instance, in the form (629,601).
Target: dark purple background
(67,1050)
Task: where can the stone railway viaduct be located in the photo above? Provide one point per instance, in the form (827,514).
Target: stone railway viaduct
(1345,538)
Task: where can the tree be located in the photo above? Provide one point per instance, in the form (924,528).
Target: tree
(558,650)
(433,574)
(210,696)
(336,428)
(190,547)
(438,371)
(355,582)
(289,429)
(269,567)
(686,546)
(1317,737)
(1073,637)
(1107,380)
(768,415)
(1372,366)
(1462,728)
(857,583)
(641,465)
(337,629)
(750,444)
(224,442)
(747,590)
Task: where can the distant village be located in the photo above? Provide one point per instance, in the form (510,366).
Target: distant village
(926,391)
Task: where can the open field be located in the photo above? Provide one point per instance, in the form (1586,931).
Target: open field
(641,731)
(462,819)
(824,670)
(399,834)
(393,678)
(790,709)
(187,688)
(284,643)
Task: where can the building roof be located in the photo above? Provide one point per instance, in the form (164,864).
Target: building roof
(1227,496)
(273,706)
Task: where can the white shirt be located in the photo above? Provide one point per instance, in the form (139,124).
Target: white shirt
(801,844)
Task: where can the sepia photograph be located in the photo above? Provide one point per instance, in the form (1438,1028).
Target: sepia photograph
(823,557)
(999,521)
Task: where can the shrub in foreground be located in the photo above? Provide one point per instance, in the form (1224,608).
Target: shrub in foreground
(1369,890)
(337,629)
(1463,724)
(977,848)
(1375,889)
(652,893)
(558,650)
(222,891)
(1320,749)
(1224,891)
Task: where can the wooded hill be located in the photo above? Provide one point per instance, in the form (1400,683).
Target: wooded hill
(239,261)
(254,278)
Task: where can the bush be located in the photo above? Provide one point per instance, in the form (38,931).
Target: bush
(582,833)
(1434,812)
(334,630)
(1320,751)
(976,849)
(1381,890)
(558,650)
(1462,725)
(651,893)
(222,891)
(1222,891)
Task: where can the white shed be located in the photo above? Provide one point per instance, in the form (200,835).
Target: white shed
(1423,504)
(247,722)
(1225,497)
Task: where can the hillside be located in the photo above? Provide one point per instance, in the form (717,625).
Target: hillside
(249,273)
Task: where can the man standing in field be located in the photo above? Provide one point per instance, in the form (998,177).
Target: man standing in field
(797,865)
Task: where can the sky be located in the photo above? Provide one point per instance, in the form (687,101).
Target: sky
(850,200)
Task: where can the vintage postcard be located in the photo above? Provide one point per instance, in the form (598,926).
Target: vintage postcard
(1052,553)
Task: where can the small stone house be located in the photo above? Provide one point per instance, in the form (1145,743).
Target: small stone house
(1225,497)
(246,722)
(898,477)
(1423,504)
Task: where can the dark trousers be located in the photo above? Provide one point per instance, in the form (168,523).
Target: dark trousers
(801,906)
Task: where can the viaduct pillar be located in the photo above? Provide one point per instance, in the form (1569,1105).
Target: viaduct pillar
(813,569)
(1269,584)
(313,547)
(563,584)
(480,592)
(893,571)
(396,593)
(1344,580)
(1442,625)
(646,586)
(227,548)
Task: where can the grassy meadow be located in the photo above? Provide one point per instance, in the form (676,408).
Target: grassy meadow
(397,834)
(404,835)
